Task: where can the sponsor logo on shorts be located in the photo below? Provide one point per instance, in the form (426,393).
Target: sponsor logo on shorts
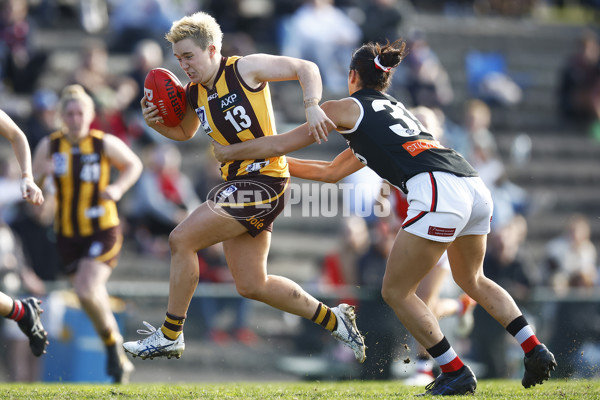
(444,232)
(327,200)
(96,249)
(248,194)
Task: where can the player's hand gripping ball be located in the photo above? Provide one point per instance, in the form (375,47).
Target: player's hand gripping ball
(163,89)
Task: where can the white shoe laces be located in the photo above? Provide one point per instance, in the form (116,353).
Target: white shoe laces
(151,330)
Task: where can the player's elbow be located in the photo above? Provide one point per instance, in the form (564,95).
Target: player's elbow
(331,174)
(183,135)
(278,148)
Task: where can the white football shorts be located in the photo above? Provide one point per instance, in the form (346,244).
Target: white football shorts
(443,206)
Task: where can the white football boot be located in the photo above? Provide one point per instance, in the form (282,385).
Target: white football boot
(347,332)
(155,345)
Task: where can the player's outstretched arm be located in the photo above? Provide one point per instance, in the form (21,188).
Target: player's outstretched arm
(258,68)
(342,165)
(343,112)
(9,129)
(264,147)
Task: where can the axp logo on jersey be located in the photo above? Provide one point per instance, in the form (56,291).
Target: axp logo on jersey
(229,101)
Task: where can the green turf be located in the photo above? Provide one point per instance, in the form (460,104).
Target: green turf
(496,390)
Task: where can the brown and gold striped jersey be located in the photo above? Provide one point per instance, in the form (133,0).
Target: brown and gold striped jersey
(232,112)
(81,171)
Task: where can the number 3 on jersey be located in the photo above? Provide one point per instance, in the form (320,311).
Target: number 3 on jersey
(238,118)
(407,124)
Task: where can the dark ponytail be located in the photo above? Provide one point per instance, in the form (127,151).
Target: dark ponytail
(375,63)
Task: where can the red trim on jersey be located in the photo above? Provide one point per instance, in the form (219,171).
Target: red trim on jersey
(530,343)
(452,366)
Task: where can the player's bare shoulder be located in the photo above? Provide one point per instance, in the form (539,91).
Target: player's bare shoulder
(344,112)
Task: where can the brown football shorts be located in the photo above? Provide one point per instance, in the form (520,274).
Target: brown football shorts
(254,201)
(103,246)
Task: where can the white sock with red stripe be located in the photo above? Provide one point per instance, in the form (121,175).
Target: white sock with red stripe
(17,312)
(445,356)
(523,332)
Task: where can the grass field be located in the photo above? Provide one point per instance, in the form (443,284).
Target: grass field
(487,390)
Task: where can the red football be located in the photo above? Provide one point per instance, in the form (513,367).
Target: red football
(163,89)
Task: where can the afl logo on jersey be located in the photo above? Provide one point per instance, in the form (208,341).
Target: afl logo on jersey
(201,112)
(60,162)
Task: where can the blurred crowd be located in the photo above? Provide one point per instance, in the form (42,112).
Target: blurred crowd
(325,32)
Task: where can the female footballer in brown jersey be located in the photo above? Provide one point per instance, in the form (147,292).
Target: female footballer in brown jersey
(449,209)
(88,235)
(229,98)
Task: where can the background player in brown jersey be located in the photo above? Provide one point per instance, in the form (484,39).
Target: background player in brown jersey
(232,103)
(449,210)
(89,239)
(25,312)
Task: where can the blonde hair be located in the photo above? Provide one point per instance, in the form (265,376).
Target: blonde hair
(202,28)
(75,93)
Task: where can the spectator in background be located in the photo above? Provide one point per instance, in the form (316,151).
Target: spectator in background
(34,227)
(572,257)
(340,267)
(382,20)
(213,269)
(481,151)
(572,262)
(147,55)
(163,197)
(477,120)
(319,31)
(42,121)
(134,20)
(424,76)
(381,329)
(112,93)
(578,77)
(21,63)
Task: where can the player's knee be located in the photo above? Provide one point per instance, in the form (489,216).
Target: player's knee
(467,283)
(177,239)
(84,292)
(388,294)
(249,291)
